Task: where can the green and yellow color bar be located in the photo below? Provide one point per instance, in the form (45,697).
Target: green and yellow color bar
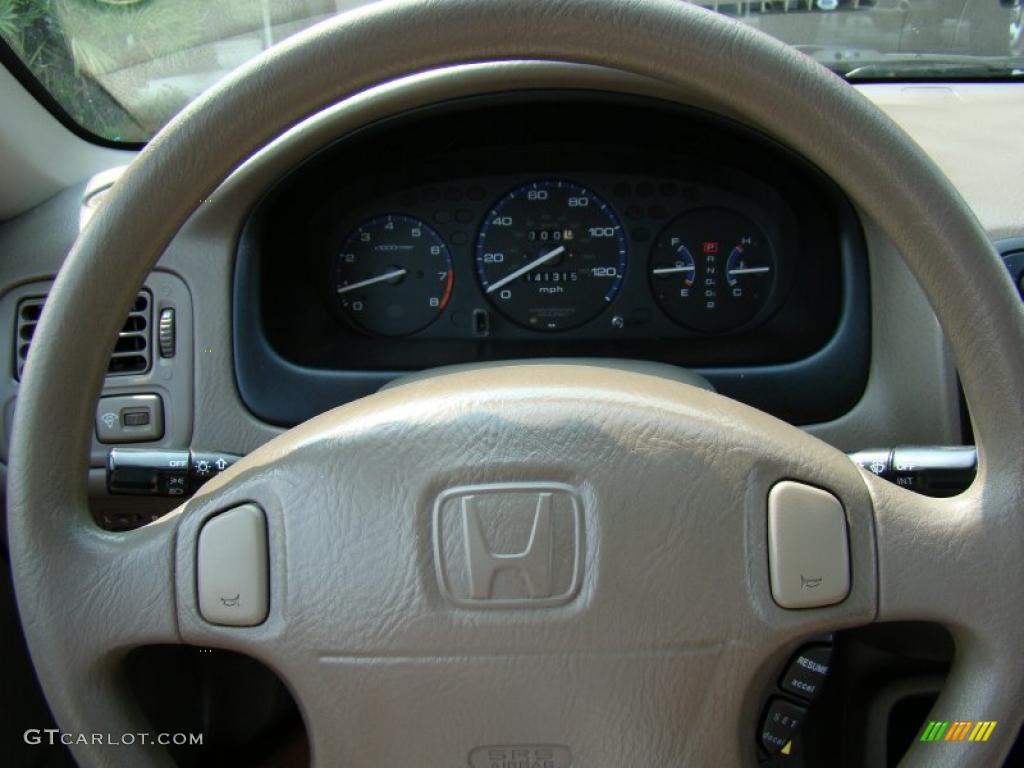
(958,730)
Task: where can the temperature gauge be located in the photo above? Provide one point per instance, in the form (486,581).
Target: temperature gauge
(712,270)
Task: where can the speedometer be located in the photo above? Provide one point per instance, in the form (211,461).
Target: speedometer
(551,255)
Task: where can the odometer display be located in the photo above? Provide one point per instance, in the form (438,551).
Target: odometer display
(551,255)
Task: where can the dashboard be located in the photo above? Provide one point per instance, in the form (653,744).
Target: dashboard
(553,224)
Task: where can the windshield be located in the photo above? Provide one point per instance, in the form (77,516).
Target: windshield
(121,69)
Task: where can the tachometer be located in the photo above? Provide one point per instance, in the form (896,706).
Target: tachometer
(393,275)
(551,255)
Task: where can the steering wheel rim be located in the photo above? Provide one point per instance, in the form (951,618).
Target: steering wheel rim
(763,82)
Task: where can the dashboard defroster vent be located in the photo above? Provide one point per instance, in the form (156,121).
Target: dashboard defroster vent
(134,343)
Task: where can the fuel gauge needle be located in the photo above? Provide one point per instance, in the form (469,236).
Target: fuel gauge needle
(523,270)
(373,280)
(672,270)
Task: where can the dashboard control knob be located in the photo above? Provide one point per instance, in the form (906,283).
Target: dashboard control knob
(166,333)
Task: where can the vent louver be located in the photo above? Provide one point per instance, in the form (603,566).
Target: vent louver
(131,353)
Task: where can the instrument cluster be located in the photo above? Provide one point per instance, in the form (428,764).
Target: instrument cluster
(552,224)
(587,253)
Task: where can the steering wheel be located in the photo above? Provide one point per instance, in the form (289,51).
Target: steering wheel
(668,625)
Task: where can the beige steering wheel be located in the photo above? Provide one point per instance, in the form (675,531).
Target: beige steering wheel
(658,654)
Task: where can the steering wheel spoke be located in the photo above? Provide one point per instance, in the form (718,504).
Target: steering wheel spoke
(928,549)
(949,561)
(116,585)
(107,594)
(126,593)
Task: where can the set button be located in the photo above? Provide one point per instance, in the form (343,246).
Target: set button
(781,723)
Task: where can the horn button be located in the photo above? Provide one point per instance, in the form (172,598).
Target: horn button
(508,544)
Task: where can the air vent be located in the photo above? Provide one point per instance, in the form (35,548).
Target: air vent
(131,353)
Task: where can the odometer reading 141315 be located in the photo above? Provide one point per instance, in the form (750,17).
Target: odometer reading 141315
(551,255)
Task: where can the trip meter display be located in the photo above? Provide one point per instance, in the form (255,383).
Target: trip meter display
(712,270)
(551,255)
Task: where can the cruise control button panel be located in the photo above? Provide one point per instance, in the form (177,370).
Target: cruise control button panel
(232,568)
(807,671)
(780,733)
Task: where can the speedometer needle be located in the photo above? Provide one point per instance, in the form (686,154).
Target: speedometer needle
(373,280)
(523,270)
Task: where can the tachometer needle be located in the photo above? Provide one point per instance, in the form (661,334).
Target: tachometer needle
(523,270)
(750,271)
(373,280)
(673,270)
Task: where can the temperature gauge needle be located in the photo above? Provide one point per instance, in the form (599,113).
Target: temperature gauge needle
(373,280)
(750,271)
(523,270)
(673,270)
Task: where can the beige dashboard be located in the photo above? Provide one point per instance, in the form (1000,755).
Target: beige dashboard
(973,131)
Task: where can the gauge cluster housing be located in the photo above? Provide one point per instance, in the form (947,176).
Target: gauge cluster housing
(299,350)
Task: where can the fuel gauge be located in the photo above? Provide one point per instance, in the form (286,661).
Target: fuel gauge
(712,270)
